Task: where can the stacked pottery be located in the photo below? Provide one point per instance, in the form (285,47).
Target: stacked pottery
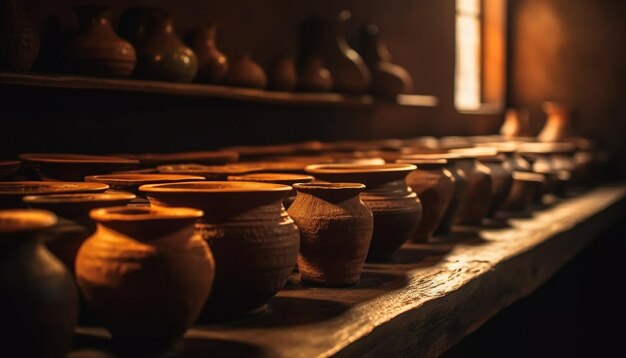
(146,274)
(254,240)
(38,305)
(276,178)
(335,232)
(434,185)
(396,208)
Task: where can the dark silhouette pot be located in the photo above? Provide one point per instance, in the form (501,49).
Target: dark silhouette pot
(335,233)
(475,206)
(314,76)
(146,274)
(276,178)
(246,73)
(212,63)
(501,174)
(19,42)
(283,75)
(39,306)
(254,241)
(97,50)
(396,208)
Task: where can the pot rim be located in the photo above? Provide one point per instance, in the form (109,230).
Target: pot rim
(68,158)
(53,187)
(214,187)
(475,152)
(26,220)
(139,179)
(329,186)
(200,169)
(140,213)
(272,177)
(78,198)
(425,161)
(359,168)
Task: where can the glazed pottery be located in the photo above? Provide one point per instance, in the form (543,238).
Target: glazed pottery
(19,42)
(146,273)
(212,63)
(254,241)
(516,123)
(97,50)
(160,53)
(132,182)
(74,225)
(8,168)
(11,192)
(74,167)
(388,79)
(525,188)
(314,76)
(283,75)
(475,205)
(434,185)
(217,157)
(396,208)
(210,172)
(246,73)
(557,123)
(335,232)
(39,305)
(276,178)
(501,180)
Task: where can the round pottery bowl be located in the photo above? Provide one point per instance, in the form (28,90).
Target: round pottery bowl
(132,182)
(74,167)
(276,178)
(11,193)
(210,172)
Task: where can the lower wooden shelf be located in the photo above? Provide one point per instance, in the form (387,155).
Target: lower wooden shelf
(421,304)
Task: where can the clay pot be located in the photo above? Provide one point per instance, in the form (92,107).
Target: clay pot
(246,73)
(97,50)
(146,274)
(74,225)
(39,306)
(11,193)
(132,182)
(212,63)
(557,126)
(254,241)
(160,53)
(8,168)
(525,188)
(516,123)
(276,178)
(216,157)
(314,76)
(74,167)
(248,153)
(554,161)
(434,185)
(283,75)
(210,172)
(335,233)
(501,180)
(396,208)
(460,191)
(19,42)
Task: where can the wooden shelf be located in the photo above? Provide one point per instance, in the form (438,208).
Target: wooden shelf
(204,91)
(421,304)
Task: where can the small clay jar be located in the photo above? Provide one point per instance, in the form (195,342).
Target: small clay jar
(434,185)
(38,305)
(276,178)
(335,233)
(19,42)
(246,73)
(254,241)
(97,50)
(501,180)
(396,208)
(475,206)
(212,63)
(314,77)
(146,274)
(283,75)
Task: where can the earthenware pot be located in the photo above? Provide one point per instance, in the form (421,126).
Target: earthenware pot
(283,75)
(516,123)
(132,182)
(314,76)
(216,157)
(525,188)
(39,306)
(146,273)
(210,172)
(254,241)
(19,42)
(74,225)
(97,50)
(74,167)
(11,193)
(501,180)
(276,178)
(557,126)
(475,205)
(396,208)
(554,161)
(8,168)
(212,63)
(434,185)
(246,73)
(335,232)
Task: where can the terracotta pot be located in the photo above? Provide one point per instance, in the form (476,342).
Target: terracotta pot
(254,241)
(146,274)
(314,76)
(396,208)
(276,178)
(8,168)
(39,306)
(501,180)
(210,172)
(74,224)
(132,182)
(524,190)
(335,233)
(19,42)
(283,75)
(246,73)
(74,167)
(434,185)
(11,193)
(216,157)
(97,50)
(516,123)
(557,126)
(212,63)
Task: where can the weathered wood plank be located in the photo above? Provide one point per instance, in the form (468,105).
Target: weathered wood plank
(424,302)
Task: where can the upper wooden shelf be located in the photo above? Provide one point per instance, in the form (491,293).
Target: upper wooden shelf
(421,304)
(205,90)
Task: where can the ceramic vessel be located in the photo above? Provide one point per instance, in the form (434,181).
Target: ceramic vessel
(246,73)
(516,123)
(314,76)
(210,172)
(74,167)
(160,53)
(146,274)
(554,161)
(524,190)
(335,233)
(132,182)
(212,63)
(39,305)
(434,185)
(252,153)
(501,180)
(283,75)
(74,225)
(216,157)
(19,42)
(8,168)
(276,178)
(11,193)
(97,50)
(396,208)
(557,126)
(254,241)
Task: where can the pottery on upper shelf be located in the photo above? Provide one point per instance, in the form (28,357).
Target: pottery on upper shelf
(19,42)
(11,193)
(283,75)
(246,73)
(96,50)
(212,63)
(314,76)
(74,167)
